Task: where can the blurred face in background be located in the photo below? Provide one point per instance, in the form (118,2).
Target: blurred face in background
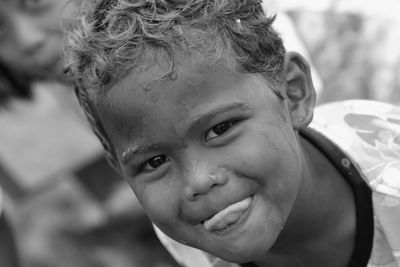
(31,36)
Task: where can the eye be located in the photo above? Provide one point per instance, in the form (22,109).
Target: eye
(218,130)
(154,163)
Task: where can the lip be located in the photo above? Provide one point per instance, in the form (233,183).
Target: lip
(196,212)
(230,217)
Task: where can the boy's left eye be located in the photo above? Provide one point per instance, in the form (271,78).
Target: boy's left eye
(218,130)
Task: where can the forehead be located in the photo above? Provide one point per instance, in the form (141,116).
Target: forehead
(147,87)
(140,102)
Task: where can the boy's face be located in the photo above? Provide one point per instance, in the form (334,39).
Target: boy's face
(31,36)
(212,156)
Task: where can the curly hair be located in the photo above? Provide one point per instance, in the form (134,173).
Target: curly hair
(119,36)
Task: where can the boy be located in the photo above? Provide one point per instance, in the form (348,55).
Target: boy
(201,109)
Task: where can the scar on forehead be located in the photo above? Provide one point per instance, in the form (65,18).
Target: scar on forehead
(170,75)
(147,88)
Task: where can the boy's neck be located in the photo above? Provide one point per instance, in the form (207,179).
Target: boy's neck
(321,228)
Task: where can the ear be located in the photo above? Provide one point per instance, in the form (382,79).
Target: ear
(299,89)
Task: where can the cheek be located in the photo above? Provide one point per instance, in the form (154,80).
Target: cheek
(160,200)
(270,157)
(259,154)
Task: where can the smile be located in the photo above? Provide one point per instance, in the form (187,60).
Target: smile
(228,216)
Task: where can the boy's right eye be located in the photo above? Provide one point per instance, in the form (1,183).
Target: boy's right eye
(154,163)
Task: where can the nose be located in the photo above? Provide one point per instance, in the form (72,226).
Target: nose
(200,179)
(28,34)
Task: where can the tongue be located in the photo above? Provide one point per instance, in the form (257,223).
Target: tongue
(227,216)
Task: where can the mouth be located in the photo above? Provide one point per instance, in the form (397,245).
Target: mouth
(232,215)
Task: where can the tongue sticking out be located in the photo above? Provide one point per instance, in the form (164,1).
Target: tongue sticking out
(227,216)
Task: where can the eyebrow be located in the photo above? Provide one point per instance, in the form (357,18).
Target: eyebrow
(208,115)
(131,152)
(200,119)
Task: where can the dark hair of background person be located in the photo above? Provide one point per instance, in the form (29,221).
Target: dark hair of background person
(12,85)
(8,250)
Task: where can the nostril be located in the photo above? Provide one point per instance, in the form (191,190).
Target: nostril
(191,194)
(194,196)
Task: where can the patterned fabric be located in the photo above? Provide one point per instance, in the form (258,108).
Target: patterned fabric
(368,132)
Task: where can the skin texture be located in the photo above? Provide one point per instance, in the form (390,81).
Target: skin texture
(191,147)
(31,36)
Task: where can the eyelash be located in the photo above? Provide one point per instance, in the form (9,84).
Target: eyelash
(146,167)
(227,124)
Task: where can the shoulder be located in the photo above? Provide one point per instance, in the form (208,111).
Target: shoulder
(369,133)
(357,112)
(359,124)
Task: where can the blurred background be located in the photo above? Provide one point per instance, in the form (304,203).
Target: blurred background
(64,205)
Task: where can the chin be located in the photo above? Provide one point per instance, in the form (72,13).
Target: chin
(243,253)
(251,244)
(242,257)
